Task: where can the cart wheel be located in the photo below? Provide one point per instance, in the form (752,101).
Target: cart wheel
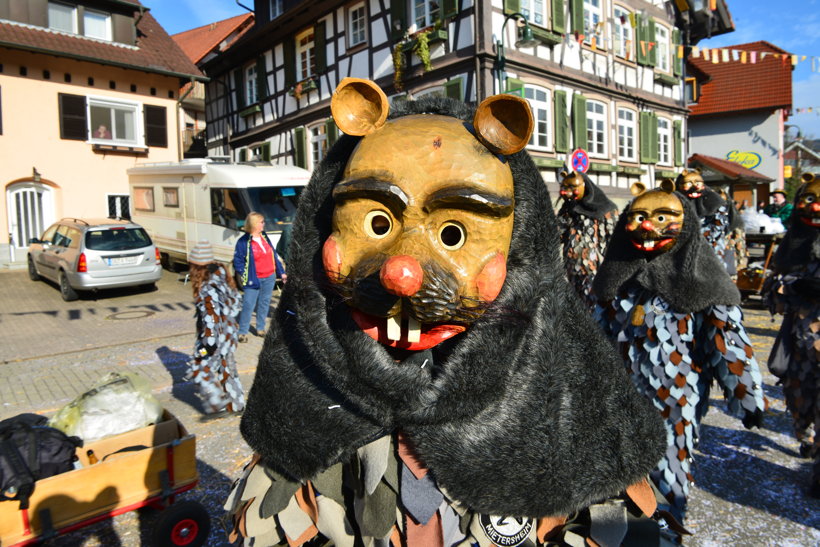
(183,523)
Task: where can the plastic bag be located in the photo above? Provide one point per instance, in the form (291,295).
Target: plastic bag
(761,223)
(117,404)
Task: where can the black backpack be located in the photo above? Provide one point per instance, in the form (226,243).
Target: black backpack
(30,451)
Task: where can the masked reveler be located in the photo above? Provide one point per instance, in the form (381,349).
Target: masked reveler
(674,313)
(585,222)
(423,382)
(794,291)
(714,214)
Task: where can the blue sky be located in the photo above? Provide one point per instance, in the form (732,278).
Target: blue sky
(788,24)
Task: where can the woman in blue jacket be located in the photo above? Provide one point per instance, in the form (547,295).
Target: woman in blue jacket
(257,266)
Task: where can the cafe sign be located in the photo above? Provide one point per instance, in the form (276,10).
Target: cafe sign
(749,160)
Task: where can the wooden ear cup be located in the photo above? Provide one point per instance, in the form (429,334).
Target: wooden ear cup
(667,185)
(807,177)
(359,107)
(503,123)
(637,188)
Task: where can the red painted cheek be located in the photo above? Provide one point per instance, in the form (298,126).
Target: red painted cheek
(332,259)
(491,278)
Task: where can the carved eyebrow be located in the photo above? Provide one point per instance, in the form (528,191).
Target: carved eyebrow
(378,190)
(471,199)
(668,211)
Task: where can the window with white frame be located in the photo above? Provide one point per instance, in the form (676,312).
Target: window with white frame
(62,17)
(627,129)
(318,144)
(305,54)
(275,8)
(535,11)
(593,19)
(623,40)
(114,122)
(251,89)
(97,24)
(596,128)
(426,12)
(662,45)
(539,99)
(664,141)
(356,25)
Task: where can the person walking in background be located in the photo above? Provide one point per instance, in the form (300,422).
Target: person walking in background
(256,265)
(216,300)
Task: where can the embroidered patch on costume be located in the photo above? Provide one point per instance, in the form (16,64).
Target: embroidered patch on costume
(506,531)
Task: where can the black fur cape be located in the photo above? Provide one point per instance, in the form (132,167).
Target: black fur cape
(523,415)
(799,247)
(707,204)
(594,204)
(690,276)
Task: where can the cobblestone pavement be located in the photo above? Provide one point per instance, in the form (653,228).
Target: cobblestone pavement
(749,485)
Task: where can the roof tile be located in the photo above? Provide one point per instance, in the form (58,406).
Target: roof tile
(198,42)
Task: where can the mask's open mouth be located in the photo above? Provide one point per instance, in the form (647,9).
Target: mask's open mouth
(405,332)
(695,195)
(811,221)
(651,245)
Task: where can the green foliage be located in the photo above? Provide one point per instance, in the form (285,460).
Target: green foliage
(422,50)
(398,67)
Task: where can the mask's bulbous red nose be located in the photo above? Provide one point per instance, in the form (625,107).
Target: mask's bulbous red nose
(815,207)
(647,225)
(401,275)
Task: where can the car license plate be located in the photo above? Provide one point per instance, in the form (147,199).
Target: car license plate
(123,260)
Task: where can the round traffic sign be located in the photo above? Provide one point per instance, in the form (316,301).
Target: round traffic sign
(580,161)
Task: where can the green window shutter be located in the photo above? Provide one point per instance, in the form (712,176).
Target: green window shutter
(561,122)
(515,87)
(332,132)
(450,8)
(398,18)
(453,89)
(261,78)
(641,46)
(579,121)
(243,154)
(511,6)
(653,137)
(577,16)
(677,62)
(300,147)
(559,16)
(645,145)
(266,151)
(320,46)
(289,60)
(156,126)
(73,123)
(677,135)
(239,86)
(651,54)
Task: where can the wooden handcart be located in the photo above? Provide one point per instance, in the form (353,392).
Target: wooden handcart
(122,473)
(761,247)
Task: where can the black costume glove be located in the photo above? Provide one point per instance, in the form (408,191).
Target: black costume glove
(753,419)
(808,287)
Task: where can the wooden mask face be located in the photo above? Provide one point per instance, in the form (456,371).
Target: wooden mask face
(807,208)
(691,184)
(572,186)
(422,226)
(655,221)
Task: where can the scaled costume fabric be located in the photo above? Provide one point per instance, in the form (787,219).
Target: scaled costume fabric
(517,416)
(713,212)
(585,227)
(677,324)
(213,368)
(795,292)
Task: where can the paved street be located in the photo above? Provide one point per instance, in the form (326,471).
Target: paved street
(749,484)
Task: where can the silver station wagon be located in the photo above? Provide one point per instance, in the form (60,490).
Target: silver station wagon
(90,254)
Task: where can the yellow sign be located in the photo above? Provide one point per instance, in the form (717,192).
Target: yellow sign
(787,171)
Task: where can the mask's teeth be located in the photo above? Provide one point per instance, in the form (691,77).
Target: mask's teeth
(394,327)
(413,330)
(649,244)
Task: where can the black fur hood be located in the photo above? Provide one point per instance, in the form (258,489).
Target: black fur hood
(595,204)
(520,415)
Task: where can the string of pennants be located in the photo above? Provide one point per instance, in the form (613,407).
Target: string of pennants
(727,55)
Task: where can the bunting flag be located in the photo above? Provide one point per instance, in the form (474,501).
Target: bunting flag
(715,55)
(724,54)
(594,42)
(680,52)
(643,47)
(713,5)
(753,56)
(695,52)
(743,57)
(794,60)
(633,20)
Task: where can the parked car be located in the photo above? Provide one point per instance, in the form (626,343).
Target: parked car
(90,254)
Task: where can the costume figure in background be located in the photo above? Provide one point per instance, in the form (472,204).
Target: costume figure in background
(736,256)
(674,312)
(712,210)
(585,223)
(424,382)
(217,303)
(794,291)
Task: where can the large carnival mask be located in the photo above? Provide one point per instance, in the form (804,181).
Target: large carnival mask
(807,208)
(655,218)
(572,186)
(691,184)
(423,215)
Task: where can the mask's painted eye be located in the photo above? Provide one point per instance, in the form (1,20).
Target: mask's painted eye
(452,235)
(639,218)
(661,218)
(809,198)
(377,224)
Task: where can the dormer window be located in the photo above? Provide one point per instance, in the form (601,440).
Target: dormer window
(62,17)
(66,18)
(97,24)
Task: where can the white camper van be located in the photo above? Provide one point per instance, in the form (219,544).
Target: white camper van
(183,202)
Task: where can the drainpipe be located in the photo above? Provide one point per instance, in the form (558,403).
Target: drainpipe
(179,106)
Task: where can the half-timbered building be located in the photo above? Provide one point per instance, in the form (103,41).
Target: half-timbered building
(603,76)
